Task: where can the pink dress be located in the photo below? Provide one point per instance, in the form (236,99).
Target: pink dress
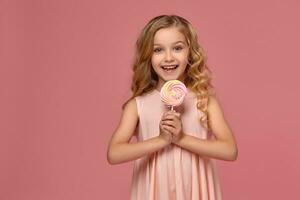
(172,173)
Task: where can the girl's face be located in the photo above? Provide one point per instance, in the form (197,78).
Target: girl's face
(170,55)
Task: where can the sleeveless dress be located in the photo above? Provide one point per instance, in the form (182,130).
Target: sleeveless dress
(172,173)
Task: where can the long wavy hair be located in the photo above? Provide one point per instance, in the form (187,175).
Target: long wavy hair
(197,74)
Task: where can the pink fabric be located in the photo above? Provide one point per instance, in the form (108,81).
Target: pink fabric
(172,173)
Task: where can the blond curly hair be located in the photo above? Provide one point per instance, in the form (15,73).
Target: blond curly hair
(197,73)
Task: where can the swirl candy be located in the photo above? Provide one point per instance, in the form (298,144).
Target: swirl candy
(173,92)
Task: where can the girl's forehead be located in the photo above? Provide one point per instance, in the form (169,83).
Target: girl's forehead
(168,35)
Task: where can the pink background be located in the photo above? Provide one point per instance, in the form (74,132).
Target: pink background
(65,71)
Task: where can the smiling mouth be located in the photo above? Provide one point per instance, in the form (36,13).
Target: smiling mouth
(169,67)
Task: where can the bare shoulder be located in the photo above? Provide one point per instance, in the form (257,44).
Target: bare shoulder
(127,124)
(217,120)
(130,106)
(214,106)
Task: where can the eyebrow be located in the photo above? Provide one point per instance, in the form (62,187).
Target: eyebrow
(174,42)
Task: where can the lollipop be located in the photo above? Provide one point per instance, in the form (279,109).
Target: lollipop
(172,93)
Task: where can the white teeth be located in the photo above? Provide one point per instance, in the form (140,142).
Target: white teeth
(169,66)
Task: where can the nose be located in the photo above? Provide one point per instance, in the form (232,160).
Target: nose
(169,56)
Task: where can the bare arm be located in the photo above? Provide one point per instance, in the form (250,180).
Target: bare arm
(120,149)
(224,147)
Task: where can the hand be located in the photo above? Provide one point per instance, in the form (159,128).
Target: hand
(171,122)
(164,133)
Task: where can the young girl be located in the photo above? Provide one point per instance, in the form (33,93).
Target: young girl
(176,149)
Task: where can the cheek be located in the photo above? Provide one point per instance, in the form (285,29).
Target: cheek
(184,57)
(155,60)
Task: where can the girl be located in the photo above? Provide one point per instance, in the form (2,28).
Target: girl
(175,150)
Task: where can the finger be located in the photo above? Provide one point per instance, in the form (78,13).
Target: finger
(169,116)
(169,128)
(172,118)
(177,114)
(174,129)
(165,114)
(169,123)
(166,131)
(169,112)
(173,114)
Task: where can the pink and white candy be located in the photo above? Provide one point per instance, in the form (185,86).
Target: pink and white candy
(173,92)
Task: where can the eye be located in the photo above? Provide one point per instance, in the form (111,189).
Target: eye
(178,48)
(157,50)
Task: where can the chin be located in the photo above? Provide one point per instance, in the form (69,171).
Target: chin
(171,77)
